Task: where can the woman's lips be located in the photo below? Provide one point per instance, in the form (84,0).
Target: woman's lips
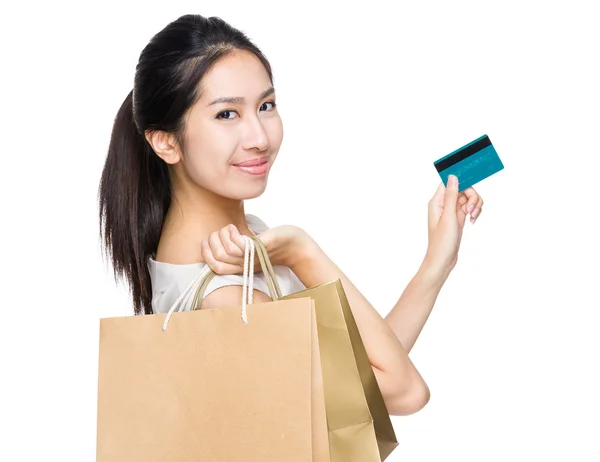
(255,166)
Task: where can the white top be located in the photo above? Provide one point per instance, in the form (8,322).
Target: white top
(169,280)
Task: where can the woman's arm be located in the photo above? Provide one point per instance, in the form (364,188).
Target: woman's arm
(404,390)
(412,310)
(448,210)
(388,340)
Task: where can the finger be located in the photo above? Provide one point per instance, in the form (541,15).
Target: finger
(237,239)
(230,247)
(240,242)
(470,191)
(473,198)
(218,250)
(218,267)
(461,212)
(477,210)
(462,201)
(438,198)
(451,197)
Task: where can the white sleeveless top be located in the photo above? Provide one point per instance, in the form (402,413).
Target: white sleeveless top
(169,280)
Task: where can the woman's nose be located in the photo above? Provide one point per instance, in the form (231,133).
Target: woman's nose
(256,135)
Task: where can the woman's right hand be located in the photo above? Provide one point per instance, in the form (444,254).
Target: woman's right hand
(286,245)
(223,251)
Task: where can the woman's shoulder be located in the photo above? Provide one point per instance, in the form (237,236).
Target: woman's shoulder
(169,280)
(255,224)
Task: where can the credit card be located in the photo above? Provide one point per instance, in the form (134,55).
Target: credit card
(472,163)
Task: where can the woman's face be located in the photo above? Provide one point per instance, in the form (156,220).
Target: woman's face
(233,132)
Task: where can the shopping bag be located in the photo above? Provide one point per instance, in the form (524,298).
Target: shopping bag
(358,423)
(211,385)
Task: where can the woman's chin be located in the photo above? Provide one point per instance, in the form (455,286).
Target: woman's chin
(256,193)
(247,192)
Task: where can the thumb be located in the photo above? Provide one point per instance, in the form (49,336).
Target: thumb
(451,197)
(438,198)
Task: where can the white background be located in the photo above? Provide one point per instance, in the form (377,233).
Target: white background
(370,96)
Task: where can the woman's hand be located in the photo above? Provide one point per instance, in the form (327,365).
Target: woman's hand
(448,211)
(224,249)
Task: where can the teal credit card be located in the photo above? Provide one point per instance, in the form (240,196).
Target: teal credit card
(472,163)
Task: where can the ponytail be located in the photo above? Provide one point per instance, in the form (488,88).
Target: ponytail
(135,187)
(134,197)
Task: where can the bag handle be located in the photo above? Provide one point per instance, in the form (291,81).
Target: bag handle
(267,269)
(200,282)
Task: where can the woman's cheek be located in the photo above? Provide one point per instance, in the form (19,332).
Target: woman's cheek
(275,130)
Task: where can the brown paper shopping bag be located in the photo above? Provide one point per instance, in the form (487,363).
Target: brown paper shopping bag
(358,423)
(207,386)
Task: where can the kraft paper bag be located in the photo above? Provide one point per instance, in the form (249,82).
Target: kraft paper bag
(358,423)
(211,387)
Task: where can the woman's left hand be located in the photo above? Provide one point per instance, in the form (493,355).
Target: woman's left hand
(448,210)
(287,245)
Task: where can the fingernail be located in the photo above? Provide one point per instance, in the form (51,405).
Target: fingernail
(475,213)
(471,207)
(452,180)
(472,220)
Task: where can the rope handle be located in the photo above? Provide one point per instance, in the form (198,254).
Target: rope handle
(198,285)
(265,262)
(267,269)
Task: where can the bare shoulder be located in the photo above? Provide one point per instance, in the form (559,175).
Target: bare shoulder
(178,251)
(231,296)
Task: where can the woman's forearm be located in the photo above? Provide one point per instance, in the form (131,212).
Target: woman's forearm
(412,310)
(403,388)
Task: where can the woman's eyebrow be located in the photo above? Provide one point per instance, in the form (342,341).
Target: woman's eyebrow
(240,99)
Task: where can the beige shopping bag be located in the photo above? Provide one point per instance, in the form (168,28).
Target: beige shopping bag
(206,386)
(358,423)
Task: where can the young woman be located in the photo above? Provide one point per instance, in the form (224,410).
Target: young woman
(197,136)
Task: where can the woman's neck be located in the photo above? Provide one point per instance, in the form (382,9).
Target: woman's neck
(191,219)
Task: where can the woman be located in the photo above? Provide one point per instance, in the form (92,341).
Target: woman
(196,137)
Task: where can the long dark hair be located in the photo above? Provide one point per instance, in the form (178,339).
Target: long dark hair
(135,188)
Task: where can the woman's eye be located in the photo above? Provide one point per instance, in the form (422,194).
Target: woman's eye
(226,115)
(265,106)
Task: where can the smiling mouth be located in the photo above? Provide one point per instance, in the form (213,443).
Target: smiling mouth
(253,163)
(254,167)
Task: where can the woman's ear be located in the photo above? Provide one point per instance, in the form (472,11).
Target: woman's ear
(164,145)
